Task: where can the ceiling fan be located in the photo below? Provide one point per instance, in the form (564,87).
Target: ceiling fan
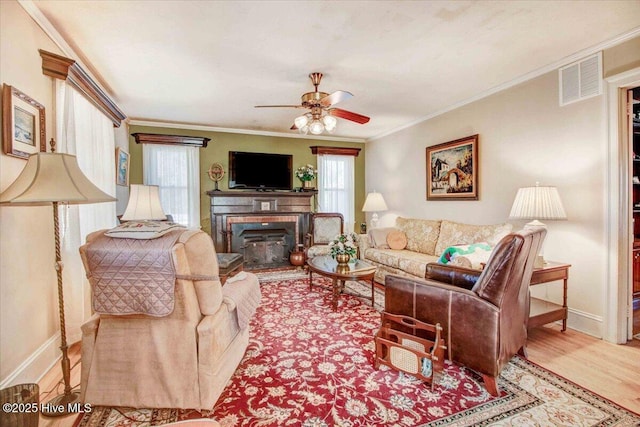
(322,115)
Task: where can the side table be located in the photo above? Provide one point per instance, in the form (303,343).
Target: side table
(229,264)
(541,311)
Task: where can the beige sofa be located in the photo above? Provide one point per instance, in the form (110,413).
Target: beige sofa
(182,359)
(426,240)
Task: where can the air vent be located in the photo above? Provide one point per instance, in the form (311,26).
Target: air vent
(581,80)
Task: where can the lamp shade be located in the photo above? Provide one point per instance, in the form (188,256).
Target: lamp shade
(374,203)
(144,204)
(49,178)
(537,203)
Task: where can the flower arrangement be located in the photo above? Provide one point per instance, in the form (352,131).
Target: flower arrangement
(306,173)
(345,243)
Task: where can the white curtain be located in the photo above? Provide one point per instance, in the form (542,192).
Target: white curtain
(176,170)
(82,130)
(336,186)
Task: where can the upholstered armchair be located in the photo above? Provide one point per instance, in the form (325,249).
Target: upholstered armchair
(166,334)
(323,228)
(484,314)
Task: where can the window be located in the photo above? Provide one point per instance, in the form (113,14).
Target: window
(175,170)
(84,131)
(336,186)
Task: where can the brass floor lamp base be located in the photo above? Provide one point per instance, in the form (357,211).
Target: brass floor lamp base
(62,405)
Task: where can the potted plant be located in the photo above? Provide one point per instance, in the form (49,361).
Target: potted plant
(306,174)
(343,247)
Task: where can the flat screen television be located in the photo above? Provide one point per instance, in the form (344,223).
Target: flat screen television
(262,171)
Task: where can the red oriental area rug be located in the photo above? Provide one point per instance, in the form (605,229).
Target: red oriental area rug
(309,366)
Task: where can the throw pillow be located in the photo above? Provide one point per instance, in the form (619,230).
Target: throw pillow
(378,237)
(397,240)
(142,229)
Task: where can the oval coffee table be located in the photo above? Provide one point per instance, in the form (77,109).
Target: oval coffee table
(339,273)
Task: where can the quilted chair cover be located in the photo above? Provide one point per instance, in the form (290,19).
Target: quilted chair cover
(181,360)
(324,228)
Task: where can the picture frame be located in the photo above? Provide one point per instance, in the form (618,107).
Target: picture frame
(23,124)
(452,170)
(122,167)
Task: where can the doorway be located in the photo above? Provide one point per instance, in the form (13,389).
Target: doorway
(633,117)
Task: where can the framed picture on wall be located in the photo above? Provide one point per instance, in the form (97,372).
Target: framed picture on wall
(122,167)
(452,170)
(23,123)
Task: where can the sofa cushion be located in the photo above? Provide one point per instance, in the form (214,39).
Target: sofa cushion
(378,237)
(396,239)
(455,233)
(385,256)
(422,234)
(400,262)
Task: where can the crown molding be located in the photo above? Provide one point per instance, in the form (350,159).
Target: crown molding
(206,128)
(63,68)
(525,77)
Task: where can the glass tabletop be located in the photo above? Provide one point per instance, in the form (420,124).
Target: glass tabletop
(330,265)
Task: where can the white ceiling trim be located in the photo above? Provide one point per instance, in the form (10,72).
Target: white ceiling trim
(42,21)
(48,28)
(529,76)
(205,128)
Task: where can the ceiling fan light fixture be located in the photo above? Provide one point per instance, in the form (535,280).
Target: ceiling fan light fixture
(329,123)
(301,121)
(316,127)
(304,130)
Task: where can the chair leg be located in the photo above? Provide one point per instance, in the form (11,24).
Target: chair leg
(523,351)
(491,385)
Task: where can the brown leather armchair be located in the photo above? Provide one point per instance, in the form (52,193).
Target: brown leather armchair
(484,314)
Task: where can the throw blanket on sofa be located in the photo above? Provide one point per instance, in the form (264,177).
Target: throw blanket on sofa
(470,256)
(132,276)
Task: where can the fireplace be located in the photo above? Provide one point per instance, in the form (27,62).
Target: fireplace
(263,226)
(265,241)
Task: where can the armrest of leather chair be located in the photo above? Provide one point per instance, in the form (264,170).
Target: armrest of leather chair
(455,276)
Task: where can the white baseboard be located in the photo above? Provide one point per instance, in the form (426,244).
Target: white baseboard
(586,323)
(35,366)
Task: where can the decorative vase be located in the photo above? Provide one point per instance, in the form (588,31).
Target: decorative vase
(306,184)
(297,258)
(343,258)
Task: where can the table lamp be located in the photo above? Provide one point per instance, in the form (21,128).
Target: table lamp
(374,203)
(144,204)
(52,179)
(537,203)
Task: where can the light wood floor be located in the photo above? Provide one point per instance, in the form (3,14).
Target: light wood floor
(612,371)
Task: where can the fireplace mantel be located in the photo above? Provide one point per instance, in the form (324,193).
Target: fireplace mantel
(229,207)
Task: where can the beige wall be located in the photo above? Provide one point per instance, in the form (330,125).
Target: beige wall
(221,143)
(28,301)
(122,192)
(524,137)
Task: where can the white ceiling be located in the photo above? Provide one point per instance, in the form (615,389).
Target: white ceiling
(209,62)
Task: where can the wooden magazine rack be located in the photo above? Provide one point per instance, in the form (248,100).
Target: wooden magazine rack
(406,352)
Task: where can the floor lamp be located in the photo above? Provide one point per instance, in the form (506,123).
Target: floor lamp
(52,179)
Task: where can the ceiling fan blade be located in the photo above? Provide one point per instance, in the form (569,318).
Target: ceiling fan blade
(335,97)
(344,114)
(294,127)
(278,106)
